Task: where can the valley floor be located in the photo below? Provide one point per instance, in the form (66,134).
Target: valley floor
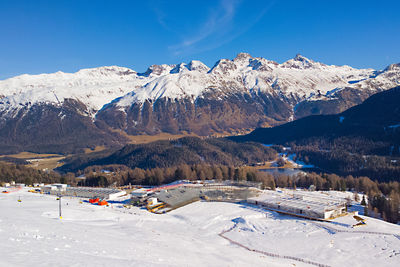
(199,234)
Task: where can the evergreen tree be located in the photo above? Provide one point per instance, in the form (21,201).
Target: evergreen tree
(363,202)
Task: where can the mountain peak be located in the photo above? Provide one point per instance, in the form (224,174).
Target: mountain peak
(105,71)
(223,66)
(197,65)
(242,56)
(393,67)
(178,68)
(302,58)
(300,62)
(158,70)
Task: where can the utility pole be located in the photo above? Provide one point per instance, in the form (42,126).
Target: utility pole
(59,205)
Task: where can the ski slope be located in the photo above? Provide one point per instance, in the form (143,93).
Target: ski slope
(88,235)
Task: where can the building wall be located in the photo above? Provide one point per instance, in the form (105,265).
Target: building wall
(290,209)
(84,192)
(334,213)
(116,195)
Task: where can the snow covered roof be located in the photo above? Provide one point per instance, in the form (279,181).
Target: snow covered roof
(300,200)
(139,192)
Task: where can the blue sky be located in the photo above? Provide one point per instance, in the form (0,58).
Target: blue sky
(48,36)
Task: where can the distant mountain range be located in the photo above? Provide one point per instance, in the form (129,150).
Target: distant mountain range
(64,112)
(361,141)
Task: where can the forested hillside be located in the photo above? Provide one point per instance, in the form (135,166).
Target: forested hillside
(364,140)
(22,174)
(187,150)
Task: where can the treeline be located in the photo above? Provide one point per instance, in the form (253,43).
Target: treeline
(337,159)
(14,160)
(351,144)
(22,174)
(96,175)
(387,206)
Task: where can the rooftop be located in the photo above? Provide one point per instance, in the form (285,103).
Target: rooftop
(313,201)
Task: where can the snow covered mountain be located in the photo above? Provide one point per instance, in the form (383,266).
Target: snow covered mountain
(233,95)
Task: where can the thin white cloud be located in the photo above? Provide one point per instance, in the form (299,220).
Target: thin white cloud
(161,16)
(218,22)
(222,25)
(231,35)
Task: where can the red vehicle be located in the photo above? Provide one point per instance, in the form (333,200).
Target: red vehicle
(94,200)
(102,203)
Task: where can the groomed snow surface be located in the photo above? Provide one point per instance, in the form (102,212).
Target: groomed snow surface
(31,234)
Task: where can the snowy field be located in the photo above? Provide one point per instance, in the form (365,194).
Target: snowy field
(31,234)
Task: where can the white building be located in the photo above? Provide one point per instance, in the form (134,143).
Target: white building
(139,193)
(85,192)
(48,188)
(307,204)
(61,187)
(94,192)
